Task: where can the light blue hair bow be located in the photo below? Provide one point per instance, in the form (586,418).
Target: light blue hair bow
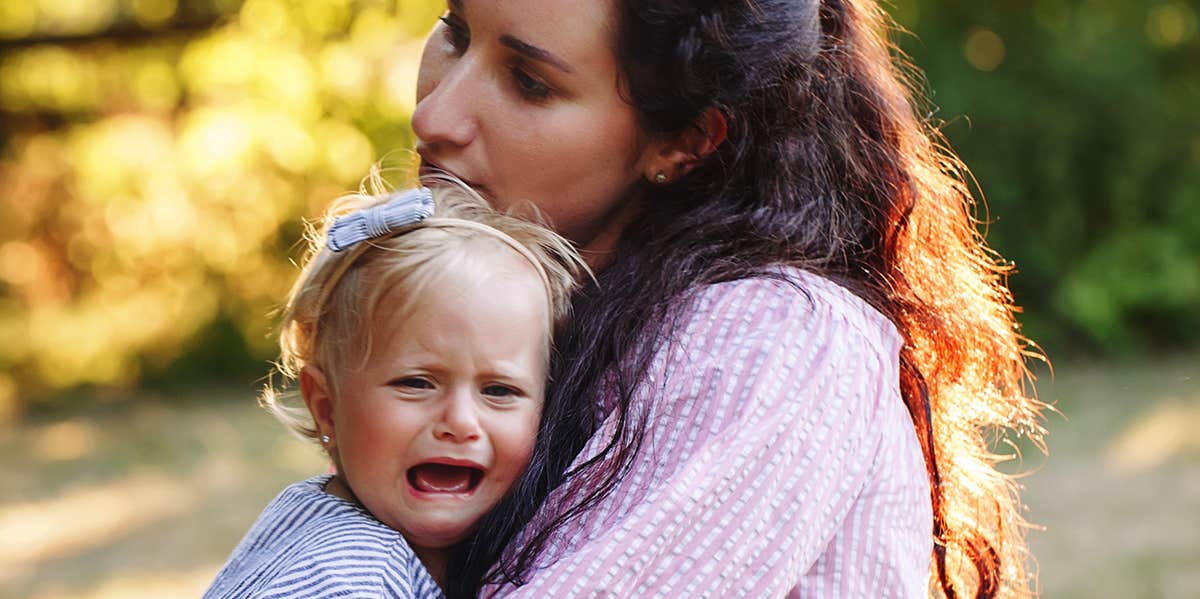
(402,208)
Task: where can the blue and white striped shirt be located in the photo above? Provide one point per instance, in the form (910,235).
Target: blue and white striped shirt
(308,543)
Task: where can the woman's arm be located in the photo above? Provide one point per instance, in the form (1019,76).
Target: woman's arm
(767,418)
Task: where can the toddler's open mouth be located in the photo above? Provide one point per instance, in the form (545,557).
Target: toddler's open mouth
(432,477)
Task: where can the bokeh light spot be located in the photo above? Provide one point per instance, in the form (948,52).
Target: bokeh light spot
(67,440)
(984,49)
(288,143)
(216,140)
(266,18)
(345,72)
(416,16)
(325,17)
(78,16)
(1170,25)
(217,65)
(348,153)
(287,82)
(153,12)
(374,30)
(155,85)
(1165,431)
(20,263)
(17,19)
(400,80)
(53,77)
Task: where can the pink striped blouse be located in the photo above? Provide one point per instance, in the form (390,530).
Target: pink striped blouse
(779,461)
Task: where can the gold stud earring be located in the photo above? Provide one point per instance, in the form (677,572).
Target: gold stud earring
(660,177)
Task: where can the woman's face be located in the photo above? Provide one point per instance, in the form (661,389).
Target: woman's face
(519,98)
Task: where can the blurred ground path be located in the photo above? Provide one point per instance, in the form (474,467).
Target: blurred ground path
(1119,496)
(146,499)
(141,500)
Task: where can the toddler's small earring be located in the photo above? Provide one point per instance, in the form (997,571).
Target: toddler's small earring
(660,177)
(325,439)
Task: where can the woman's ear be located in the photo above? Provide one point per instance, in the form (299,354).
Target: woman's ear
(315,389)
(675,157)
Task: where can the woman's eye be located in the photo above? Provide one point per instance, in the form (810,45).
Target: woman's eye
(529,86)
(456,33)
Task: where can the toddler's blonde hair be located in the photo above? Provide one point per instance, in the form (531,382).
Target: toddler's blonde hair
(329,316)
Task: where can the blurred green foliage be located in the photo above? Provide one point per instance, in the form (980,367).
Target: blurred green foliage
(156,158)
(1081,121)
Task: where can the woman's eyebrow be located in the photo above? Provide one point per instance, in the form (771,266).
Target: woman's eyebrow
(535,53)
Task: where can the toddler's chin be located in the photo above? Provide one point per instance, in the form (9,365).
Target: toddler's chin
(437,537)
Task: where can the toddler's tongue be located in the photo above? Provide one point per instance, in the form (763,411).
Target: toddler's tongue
(441,478)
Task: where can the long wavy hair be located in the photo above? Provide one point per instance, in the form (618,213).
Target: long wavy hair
(828,167)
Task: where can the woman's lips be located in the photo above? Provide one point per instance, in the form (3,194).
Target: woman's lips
(433,169)
(430,171)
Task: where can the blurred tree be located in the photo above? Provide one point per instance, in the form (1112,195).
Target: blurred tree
(1079,118)
(156,157)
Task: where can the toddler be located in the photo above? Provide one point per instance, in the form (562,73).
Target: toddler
(419,332)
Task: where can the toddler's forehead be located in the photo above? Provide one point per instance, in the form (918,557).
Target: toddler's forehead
(479,269)
(489,259)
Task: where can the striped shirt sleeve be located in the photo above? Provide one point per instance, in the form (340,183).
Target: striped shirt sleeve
(308,544)
(767,420)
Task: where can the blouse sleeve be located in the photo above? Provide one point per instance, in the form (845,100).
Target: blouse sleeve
(765,420)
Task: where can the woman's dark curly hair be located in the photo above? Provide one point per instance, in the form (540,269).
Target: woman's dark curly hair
(827,167)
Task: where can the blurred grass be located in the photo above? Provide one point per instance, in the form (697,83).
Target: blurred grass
(1119,495)
(147,497)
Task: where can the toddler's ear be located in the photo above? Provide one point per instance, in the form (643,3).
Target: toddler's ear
(315,390)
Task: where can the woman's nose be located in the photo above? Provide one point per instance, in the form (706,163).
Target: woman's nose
(459,419)
(445,112)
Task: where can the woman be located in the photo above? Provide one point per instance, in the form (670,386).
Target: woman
(781,381)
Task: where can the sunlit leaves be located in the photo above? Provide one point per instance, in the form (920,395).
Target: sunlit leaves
(155,183)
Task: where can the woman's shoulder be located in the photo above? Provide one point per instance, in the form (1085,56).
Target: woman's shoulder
(787,300)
